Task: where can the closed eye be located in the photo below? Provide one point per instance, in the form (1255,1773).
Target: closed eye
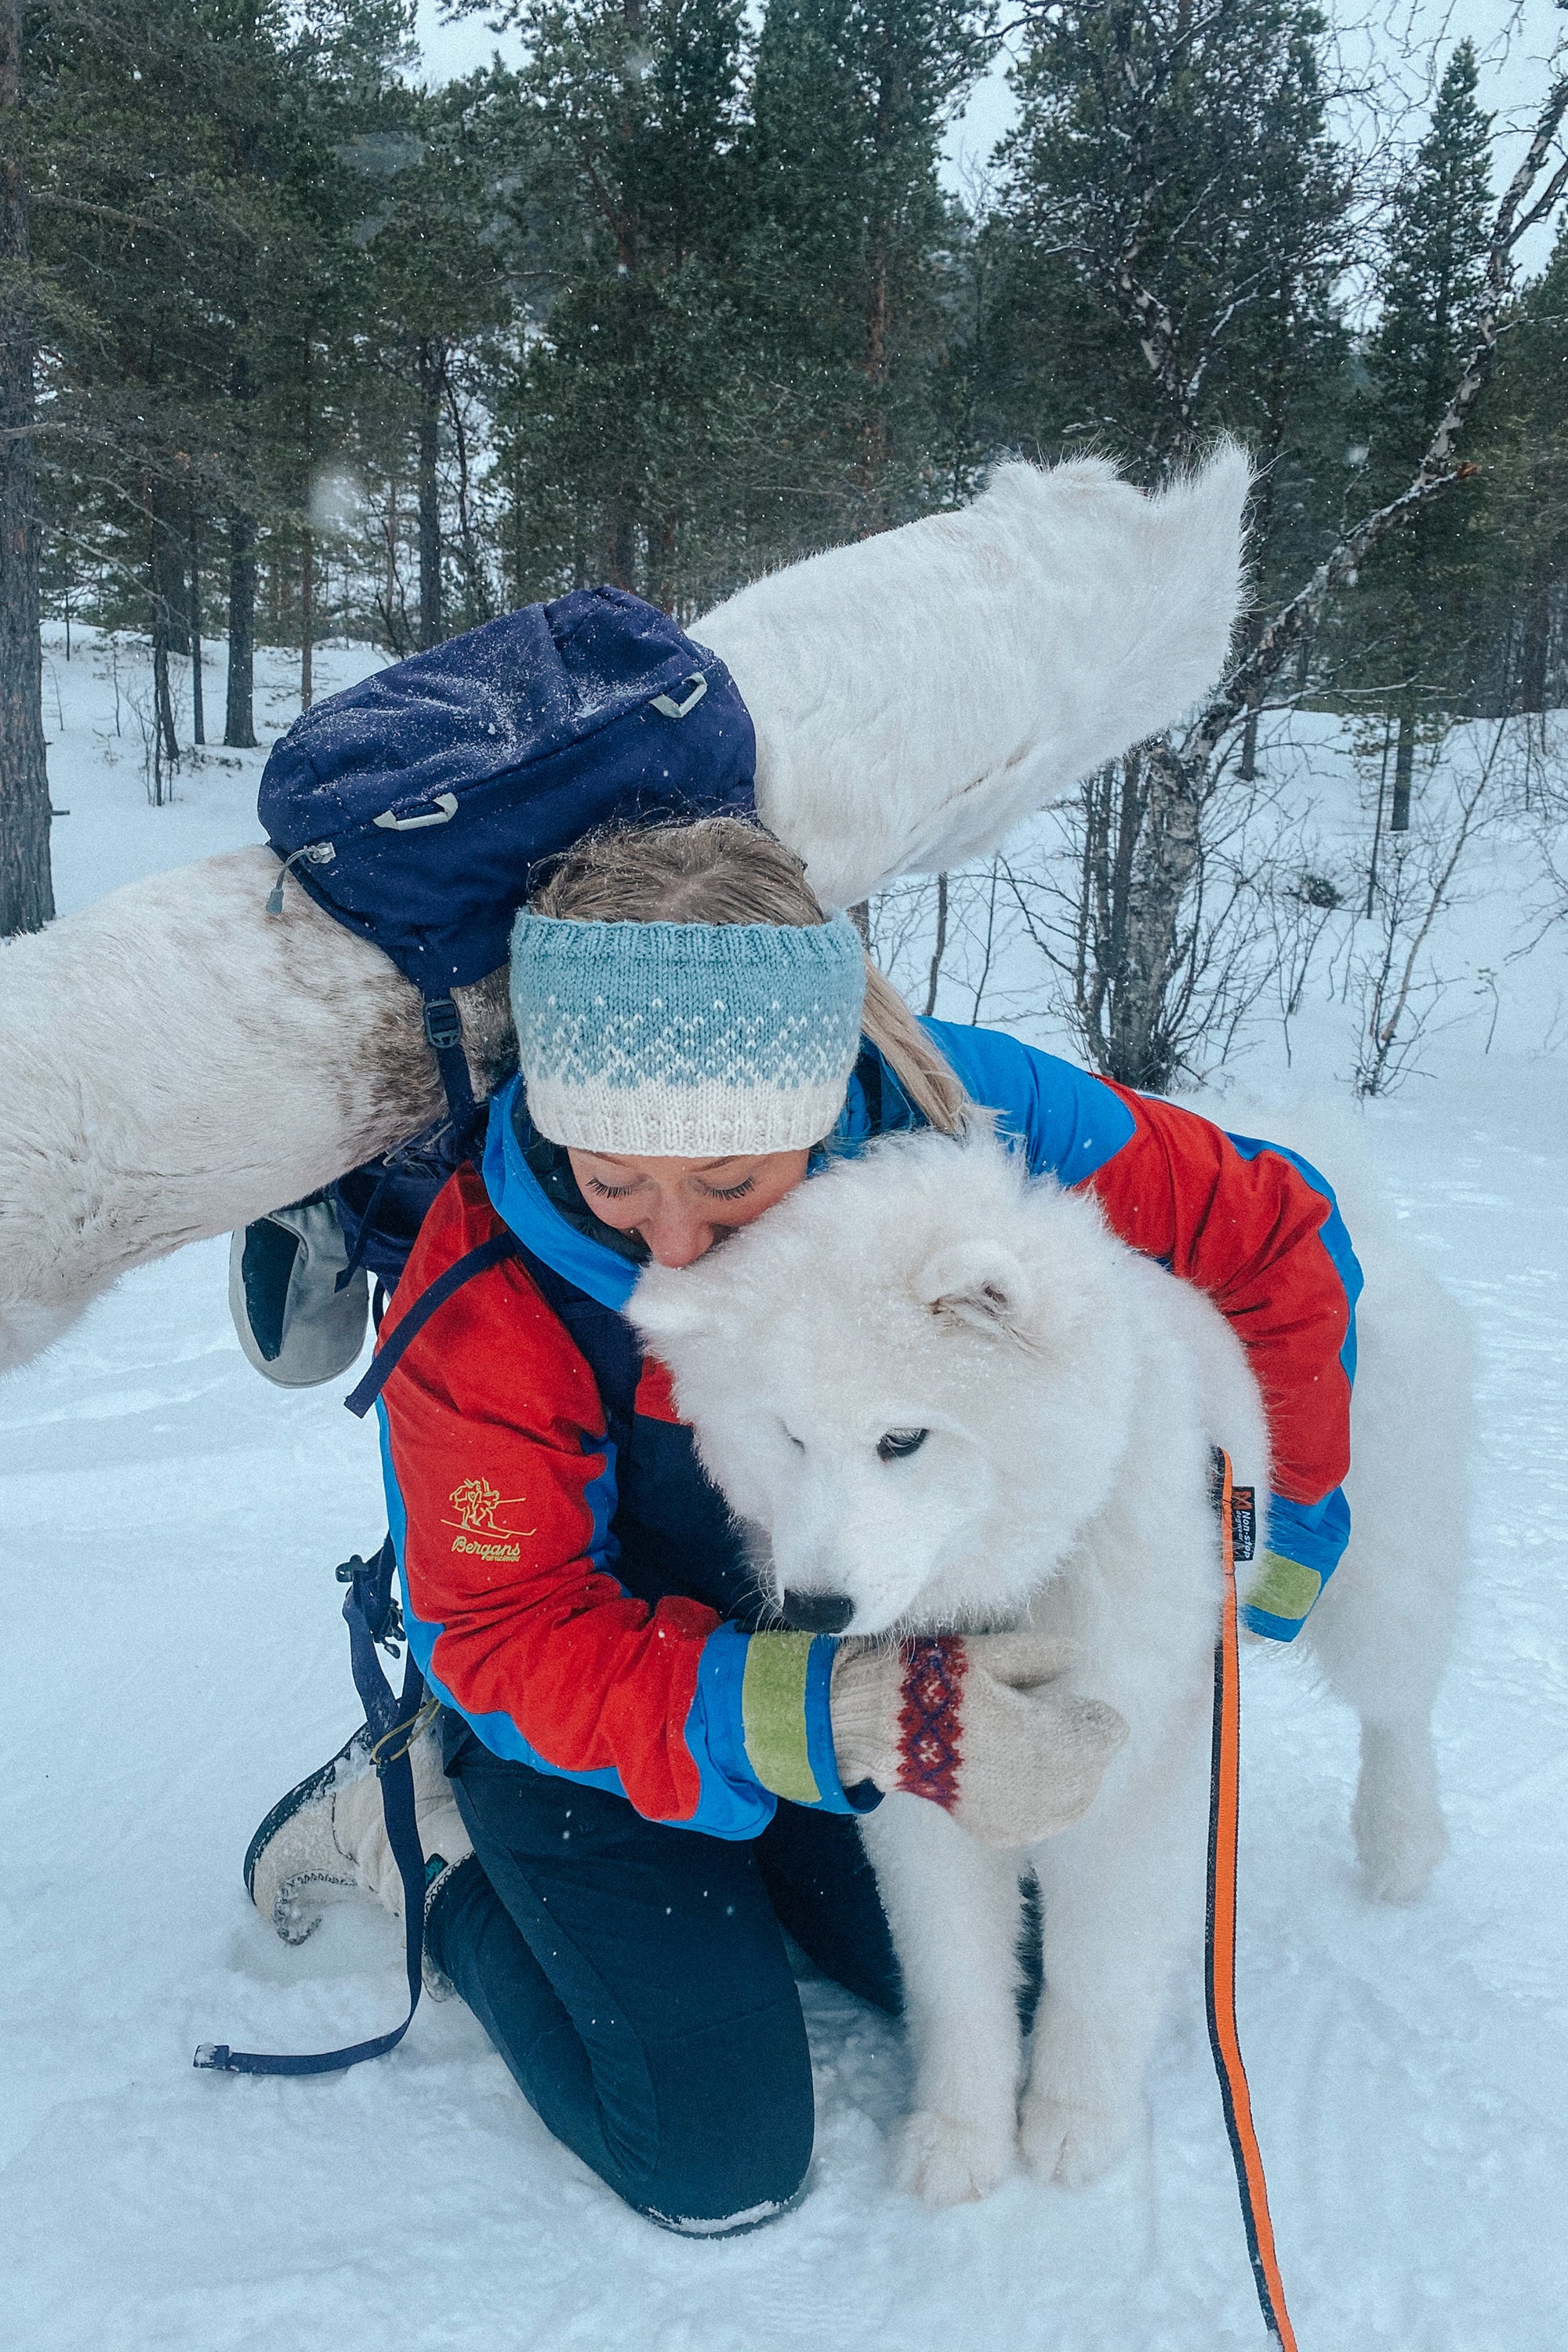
(895,1444)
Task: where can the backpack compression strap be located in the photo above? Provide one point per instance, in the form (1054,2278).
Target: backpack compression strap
(394,1724)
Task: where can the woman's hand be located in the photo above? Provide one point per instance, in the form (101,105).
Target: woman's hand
(981,1724)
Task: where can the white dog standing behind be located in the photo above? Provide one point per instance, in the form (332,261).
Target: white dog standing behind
(1072,1393)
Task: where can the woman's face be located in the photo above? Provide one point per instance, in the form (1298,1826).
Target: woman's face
(682,1207)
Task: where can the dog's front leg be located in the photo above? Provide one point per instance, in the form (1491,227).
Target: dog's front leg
(955,1908)
(1117,1891)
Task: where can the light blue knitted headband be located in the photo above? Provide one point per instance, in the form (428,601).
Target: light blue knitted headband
(685,1041)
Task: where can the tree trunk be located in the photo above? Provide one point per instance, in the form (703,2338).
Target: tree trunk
(1403,768)
(307,618)
(239,716)
(1140,852)
(478,602)
(1534,652)
(26,890)
(170,568)
(935,981)
(239,720)
(165,742)
(193,550)
(432,376)
(623,547)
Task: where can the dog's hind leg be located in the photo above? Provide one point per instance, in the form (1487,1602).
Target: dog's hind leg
(954,1907)
(1381,1630)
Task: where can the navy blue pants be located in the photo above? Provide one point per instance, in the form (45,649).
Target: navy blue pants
(634,1979)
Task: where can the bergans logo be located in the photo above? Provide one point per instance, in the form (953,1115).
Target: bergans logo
(477,1503)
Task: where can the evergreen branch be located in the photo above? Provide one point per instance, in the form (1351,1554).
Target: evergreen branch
(105,212)
(1250,680)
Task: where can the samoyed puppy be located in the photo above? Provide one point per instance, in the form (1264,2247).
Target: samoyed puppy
(1071,1392)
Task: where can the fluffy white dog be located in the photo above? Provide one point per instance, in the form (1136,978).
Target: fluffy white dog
(173,1061)
(1072,1391)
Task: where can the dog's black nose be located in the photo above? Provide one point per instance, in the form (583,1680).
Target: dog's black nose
(817,1612)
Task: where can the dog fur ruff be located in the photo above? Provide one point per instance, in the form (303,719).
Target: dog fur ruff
(1072,1393)
(174,1063)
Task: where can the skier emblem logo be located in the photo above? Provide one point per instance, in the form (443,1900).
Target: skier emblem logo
(477,1503)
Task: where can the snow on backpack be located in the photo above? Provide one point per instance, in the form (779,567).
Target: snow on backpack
(414,808)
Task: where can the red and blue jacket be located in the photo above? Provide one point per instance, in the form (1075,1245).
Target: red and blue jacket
(574,1585)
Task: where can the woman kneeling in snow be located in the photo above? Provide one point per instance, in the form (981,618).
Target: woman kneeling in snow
(637,1783)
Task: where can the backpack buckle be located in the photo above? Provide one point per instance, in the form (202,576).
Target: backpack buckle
(445,809)
(667,705)
(443,1024)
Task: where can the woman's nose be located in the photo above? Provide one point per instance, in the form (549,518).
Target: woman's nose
(676,1238)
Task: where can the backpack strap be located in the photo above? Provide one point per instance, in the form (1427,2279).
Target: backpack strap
(463,1269)
(444,1035)
(614,1356)
(394,1724)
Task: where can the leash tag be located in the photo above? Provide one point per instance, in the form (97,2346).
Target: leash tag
(1243,1521)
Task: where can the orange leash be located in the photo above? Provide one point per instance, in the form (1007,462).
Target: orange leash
(1220,1940)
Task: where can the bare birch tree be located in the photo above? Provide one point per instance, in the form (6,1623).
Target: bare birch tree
(1145,821)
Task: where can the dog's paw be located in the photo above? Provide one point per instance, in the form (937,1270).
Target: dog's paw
(1398,1859)
(1066,2140)
(1398,1823)
(944,2160)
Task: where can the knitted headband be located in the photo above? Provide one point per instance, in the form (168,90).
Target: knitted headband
(685,1041)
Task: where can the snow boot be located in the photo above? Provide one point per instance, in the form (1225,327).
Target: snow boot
(327,1839)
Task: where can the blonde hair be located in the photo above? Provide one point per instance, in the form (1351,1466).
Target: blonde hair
(721,869)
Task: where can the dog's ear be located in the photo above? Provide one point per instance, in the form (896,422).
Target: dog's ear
(978,1282)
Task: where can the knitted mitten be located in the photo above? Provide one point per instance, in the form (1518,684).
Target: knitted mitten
(981,1724)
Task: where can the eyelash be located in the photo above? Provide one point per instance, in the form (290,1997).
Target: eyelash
(714,1192)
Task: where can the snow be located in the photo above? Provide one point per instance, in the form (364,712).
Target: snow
(175,1660)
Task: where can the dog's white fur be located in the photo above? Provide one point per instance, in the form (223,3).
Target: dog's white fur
(1073,1392)
(174,1061)
(917,694)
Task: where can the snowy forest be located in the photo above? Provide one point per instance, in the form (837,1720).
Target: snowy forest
(300,350)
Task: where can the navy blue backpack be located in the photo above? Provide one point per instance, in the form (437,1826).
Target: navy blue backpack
(415,806)
(414,809)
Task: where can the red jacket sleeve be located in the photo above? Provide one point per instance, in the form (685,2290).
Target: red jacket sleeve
(1247,1225)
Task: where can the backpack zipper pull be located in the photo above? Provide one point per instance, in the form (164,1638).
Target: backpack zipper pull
(315,853)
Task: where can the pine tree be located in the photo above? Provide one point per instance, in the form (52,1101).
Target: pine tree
(1417,604)
(439,280)
(619,419)
(851,257)
(1163,266)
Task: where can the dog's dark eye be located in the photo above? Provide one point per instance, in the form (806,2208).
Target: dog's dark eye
(897,1442)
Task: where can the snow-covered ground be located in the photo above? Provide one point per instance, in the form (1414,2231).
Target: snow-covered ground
(170,1524)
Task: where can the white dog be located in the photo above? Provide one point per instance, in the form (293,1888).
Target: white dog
(174,1061)
(1072,1391)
